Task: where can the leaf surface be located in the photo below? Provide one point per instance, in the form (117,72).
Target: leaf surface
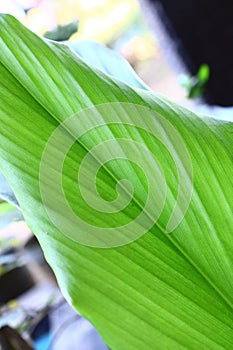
(107,60)
(166,291)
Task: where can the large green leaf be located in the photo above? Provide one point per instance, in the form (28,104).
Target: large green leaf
(162,291)
(102,58)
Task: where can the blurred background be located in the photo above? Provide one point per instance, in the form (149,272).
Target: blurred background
(126,26)
(181,49)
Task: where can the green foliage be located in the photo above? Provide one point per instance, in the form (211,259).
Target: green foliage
(195,85)
(62,33)
(162,291)
(8,214)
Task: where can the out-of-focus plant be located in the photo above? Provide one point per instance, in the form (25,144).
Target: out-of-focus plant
(62,32)
(195,85)
(8,214)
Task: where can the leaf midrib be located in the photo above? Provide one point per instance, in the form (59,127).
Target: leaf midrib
(187,257)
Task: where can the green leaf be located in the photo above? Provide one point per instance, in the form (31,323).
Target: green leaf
(162,291)
(196,84)
(196,90)
(107,60)
(8,214)
(5,207)
(6,191)
(62,32)
(203,73)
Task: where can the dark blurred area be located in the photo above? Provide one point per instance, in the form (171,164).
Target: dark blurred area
(203,33)
(33,313)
